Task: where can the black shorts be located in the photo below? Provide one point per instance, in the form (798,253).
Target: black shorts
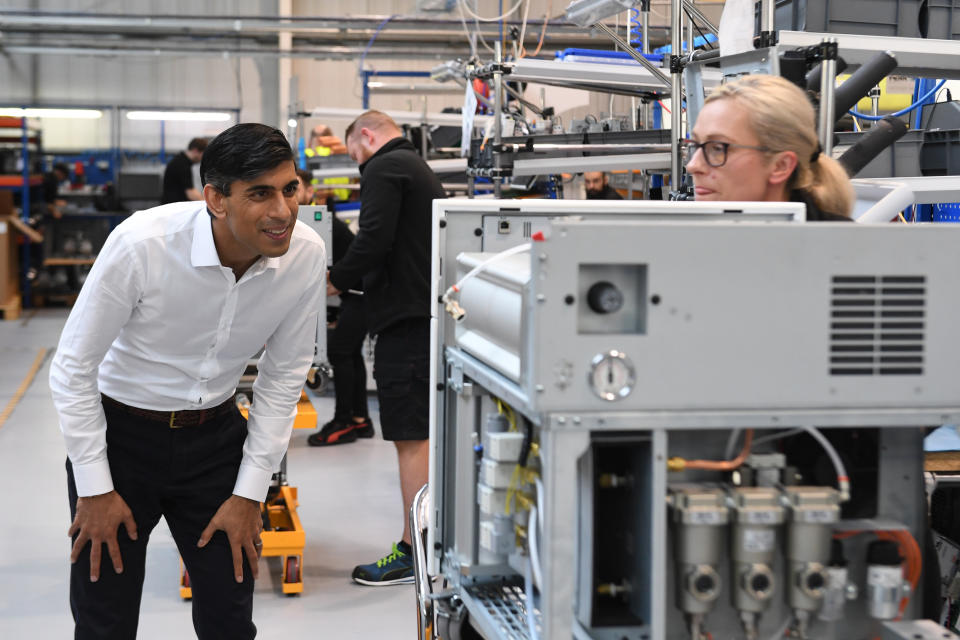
(401,367)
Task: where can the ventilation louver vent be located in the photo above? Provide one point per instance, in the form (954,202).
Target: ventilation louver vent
(877,325)
(527,229)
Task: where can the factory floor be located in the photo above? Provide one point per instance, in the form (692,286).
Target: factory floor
(349,506)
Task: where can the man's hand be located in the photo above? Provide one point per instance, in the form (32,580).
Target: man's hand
(331,290)
(240,519)
(97,521)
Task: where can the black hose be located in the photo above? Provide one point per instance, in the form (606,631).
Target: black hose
(862,81)
(872,144)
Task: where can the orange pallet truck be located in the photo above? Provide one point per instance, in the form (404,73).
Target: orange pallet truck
(283,535)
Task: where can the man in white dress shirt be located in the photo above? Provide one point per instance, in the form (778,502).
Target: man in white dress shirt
(179,299)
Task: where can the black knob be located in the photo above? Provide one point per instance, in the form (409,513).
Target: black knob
(704,584)
(759,583)
(604,297)
(815,581)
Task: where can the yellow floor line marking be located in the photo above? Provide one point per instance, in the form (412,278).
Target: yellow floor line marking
(37,363)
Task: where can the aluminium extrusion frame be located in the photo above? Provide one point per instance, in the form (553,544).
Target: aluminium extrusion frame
(916,57)
(882,199)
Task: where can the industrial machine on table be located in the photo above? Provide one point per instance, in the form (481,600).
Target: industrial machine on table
(283,536)
(665,421)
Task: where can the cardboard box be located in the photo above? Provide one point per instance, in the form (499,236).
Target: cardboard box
(9,256)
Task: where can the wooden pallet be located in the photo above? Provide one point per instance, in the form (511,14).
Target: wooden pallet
(11,308)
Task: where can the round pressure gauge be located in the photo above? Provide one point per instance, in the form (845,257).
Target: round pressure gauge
(612,375)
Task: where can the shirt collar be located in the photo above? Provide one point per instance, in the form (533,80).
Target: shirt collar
(203,253)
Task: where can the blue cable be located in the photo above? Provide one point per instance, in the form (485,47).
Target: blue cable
(636,34)
(374,37)
(916,104)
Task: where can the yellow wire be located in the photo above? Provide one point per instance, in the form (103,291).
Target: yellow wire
(511,489)
(902,219)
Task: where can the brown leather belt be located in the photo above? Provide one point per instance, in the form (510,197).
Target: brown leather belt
(175,419)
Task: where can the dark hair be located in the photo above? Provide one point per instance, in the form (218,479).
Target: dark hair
(200,144)
(62,168)
(243,152)
(306,176)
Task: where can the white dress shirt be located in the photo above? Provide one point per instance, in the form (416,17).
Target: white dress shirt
(161,324)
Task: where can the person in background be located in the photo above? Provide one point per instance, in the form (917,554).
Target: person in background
(392,255)
(345,336)
(756,140)
(306,190)
(178,176)
(180,298)
(597,184)
(52,201)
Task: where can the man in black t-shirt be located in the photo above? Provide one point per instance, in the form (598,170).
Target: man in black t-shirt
(391,254)
(178,176)
(598,186)
(51,187)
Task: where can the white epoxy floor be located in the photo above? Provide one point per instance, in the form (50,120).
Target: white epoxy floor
(349,506)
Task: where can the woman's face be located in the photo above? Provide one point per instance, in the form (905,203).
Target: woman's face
(747,174)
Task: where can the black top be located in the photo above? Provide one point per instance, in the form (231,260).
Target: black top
(392,251)
(177,178)
(51,187)
(814,214)
(608,193)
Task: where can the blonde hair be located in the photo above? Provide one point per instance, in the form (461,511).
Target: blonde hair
(783,119)
(373,119)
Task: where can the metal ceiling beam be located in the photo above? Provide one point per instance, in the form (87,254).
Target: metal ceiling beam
(202,24)
(315,37)
(314,31)
(318,53)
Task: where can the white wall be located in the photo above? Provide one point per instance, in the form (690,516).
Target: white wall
(162,81)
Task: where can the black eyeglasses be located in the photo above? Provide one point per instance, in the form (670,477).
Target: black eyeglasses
(714,151)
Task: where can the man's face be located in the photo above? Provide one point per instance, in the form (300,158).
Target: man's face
(305,193)
(195,155)
(260,214)
(360,145)
(594,182)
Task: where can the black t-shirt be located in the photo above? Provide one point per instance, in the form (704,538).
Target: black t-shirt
(177,178)
(51,187)
(608,193)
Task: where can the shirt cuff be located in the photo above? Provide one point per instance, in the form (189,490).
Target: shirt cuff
(252,483)
(92,479)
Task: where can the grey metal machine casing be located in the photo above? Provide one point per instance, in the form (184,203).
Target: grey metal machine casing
(700,301)
(469,225)
(717,348)
(320,220)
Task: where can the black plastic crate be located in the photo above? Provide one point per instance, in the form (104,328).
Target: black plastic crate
(940,153)
(902,160)
(859,17)
(940,19)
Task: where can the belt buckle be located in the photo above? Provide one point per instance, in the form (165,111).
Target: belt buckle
(172,425)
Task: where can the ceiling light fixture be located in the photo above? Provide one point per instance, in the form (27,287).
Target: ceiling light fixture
(84,114)
(187,116)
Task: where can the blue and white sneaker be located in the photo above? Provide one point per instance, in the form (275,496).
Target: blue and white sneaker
(394,568)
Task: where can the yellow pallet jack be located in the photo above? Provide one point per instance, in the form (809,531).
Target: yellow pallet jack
(283,535)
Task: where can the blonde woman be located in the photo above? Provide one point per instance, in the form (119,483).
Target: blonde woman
(755,140)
